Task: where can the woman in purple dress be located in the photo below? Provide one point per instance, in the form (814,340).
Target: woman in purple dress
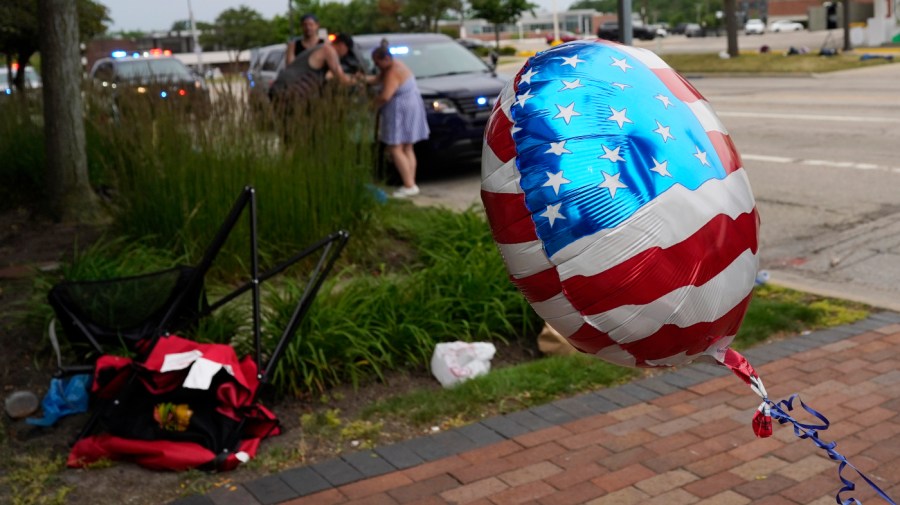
(402,122)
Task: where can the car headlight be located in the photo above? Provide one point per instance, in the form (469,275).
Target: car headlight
(443,106)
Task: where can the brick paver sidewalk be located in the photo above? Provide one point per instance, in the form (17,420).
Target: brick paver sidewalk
(681,437)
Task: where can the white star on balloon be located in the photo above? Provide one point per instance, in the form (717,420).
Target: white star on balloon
(526,77)
(664,131)
(619,117)
(524,97)
(612,183)
(552,213)
(622,64)
(621,85)
(514,130)
(611,155)
(664,99)
(567,112)
(701,155)
(558,148)
(572,84)
(661,168)
(573,60)
(556,180)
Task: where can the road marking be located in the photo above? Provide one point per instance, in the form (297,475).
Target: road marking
(810,117)
(820,163)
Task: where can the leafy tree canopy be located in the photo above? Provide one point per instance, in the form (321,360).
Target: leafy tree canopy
(238,29)
(499,12)
(597,5)
(19,29)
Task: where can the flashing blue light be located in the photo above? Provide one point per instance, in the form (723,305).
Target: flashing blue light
(135,55)
(163,94)
(481,100)
(8,91)
(399,50)
(119,54)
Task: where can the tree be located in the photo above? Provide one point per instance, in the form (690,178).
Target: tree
(500,12)
(19,33)
(71,198)
(731,28)
(238,30)
(182,25)
(424,14)
(597,5)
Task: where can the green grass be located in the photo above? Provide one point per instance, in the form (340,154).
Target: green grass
(759,63)
(774,312)
(504,390)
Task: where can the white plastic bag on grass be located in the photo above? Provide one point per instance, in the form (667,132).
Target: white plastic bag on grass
(455,362)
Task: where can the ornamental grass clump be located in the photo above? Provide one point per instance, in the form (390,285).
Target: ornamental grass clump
(176,170)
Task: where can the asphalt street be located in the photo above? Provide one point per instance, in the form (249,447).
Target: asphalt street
(823,160)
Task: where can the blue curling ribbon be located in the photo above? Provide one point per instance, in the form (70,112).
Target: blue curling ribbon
(811,431)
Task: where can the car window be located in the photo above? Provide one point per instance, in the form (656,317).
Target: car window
(273,60)
(435,59)
(104,72)
(152,69)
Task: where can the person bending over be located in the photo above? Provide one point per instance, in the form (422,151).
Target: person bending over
(402,120)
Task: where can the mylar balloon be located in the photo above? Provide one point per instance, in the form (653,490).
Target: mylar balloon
(620,205)
(624,215)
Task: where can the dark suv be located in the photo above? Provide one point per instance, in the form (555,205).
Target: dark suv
(458,89)
(610,31)
(157,76)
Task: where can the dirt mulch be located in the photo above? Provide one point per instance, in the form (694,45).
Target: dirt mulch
(29,243)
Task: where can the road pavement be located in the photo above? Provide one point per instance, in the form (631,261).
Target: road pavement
(821,156)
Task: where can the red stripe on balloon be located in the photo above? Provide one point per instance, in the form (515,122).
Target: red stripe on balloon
(589,339)
(510,219)
(539,287)
(725,149)
(678,85)
(499,137)
(671,340)
(652,273)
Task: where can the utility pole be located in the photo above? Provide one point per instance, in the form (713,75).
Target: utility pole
(847,45)
(731,28)
(625,24)
(290,19)
(198,51)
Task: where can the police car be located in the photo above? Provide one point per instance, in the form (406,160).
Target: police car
(154,74)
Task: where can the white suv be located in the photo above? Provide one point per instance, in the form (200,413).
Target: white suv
(754,27)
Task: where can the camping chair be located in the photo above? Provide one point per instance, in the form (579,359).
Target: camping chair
(138,399)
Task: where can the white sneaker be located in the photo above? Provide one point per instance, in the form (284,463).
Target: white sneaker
(403,192)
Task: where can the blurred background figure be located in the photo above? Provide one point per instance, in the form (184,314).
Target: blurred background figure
(309,40)
(402,120)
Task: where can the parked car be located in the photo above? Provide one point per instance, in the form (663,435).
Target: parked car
(32,80)
(693,30)
(610,31)
(458,90)
(564,36)
(754,27)
(471,44)
(785,25)
(265,63)
(155,75)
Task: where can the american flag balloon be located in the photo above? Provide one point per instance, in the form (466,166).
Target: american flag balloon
(625,217)
(620,205)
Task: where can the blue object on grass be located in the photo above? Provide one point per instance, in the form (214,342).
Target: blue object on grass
(66,396)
